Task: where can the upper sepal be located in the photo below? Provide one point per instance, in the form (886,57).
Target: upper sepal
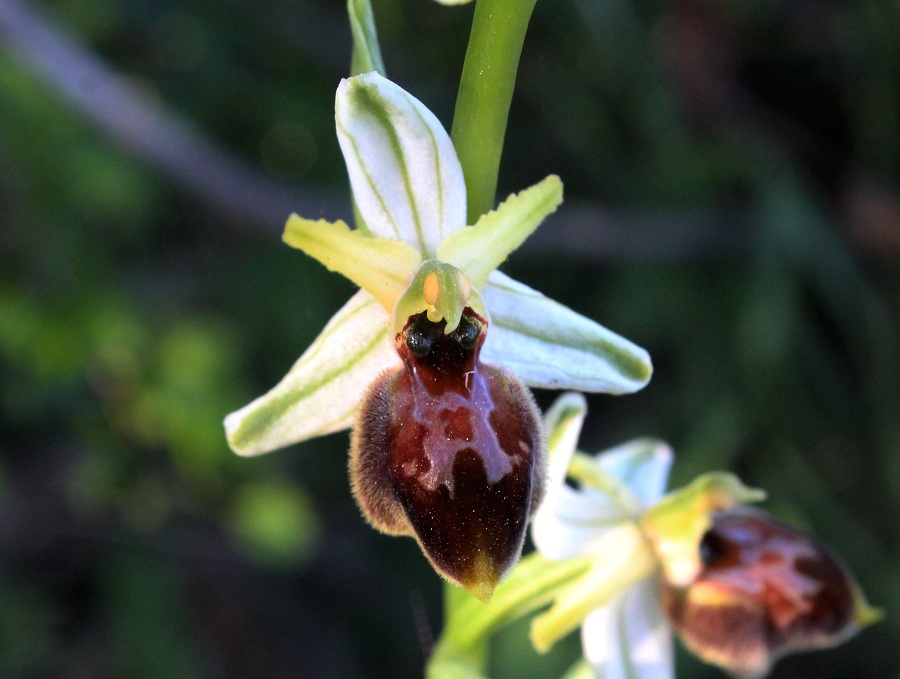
(406,178)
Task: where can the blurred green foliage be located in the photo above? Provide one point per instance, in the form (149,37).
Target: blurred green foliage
(134,316)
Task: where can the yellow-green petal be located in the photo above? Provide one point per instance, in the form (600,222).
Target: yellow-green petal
(380,266)
(532,584)
(478,250)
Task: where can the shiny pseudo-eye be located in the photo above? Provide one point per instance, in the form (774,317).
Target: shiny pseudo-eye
(448,450)
(764,590)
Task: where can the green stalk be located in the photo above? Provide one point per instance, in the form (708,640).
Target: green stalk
(485,93)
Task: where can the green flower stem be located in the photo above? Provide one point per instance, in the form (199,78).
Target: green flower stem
(485,93)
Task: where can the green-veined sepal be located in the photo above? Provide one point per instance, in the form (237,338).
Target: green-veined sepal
(548,345)
(630,637)
(406,178)
(322,391)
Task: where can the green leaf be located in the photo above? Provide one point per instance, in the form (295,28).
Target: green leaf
(478,250)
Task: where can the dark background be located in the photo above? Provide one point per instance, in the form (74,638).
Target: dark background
(732,205)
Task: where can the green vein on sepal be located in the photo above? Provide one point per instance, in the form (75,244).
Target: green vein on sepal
(563,349)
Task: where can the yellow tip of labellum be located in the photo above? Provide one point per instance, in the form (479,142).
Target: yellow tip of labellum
(864,614)
(482,579)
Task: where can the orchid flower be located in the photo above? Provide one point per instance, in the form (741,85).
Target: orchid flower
(740,588)
(409,190)
(426,359)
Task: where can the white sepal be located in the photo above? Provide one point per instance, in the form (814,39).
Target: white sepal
(641,465)
(406,178)
(548,345)
(323,389)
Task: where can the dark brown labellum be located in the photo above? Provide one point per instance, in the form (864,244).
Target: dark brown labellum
(449,451)
(765,590)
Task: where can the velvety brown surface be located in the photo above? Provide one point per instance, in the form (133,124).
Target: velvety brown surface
(450,448)
(765,589)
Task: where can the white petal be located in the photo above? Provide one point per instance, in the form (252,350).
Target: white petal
(562,422)
(642,465)
(548,345)
(629,639)
(321,392)
(626,560)
(406,178)
(571,523)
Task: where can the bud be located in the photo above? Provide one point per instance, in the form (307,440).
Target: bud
(763,590)
(448,450)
